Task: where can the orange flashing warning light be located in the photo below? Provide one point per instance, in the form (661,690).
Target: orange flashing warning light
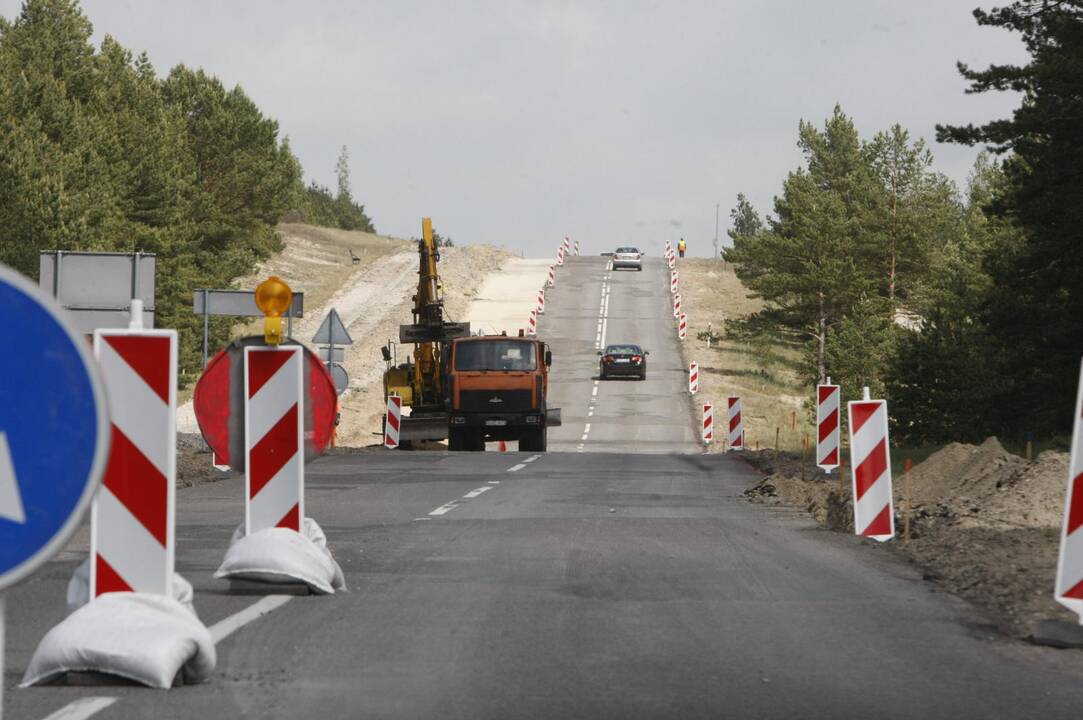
(273,298)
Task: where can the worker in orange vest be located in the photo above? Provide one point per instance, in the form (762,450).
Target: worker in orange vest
(681,247)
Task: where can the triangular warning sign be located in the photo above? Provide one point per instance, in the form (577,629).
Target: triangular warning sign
(332,331)
(11,502)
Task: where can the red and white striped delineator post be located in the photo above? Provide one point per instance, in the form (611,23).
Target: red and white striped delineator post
(677,305)
(576,250)
(870,461)
(552,275)
(1069,586)
(560,256)
(567,245)
(132,518)
(541,301)
(682,327)
(708,423)
(532,323)
(393,422)
(673,285)
(735,424)
(274,438)
(693,377)
(827,426)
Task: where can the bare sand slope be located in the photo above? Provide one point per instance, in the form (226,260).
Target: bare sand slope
(508,295)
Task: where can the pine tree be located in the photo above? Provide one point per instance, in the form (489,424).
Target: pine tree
(1037,298)
(806,263)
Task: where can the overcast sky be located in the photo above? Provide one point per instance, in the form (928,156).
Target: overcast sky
(610,122)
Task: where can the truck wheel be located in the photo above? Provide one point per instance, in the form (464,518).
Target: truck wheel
(533,440)
(456,440)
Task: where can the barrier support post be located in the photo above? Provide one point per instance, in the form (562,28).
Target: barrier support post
(906,498)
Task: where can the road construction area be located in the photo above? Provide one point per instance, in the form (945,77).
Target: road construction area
(623,574)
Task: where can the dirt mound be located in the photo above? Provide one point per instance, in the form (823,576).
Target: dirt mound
(985,485)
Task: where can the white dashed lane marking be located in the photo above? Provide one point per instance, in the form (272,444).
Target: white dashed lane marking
(476,492)
(448,507)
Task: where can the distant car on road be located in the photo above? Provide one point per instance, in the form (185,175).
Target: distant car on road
(628,257)
(622,360)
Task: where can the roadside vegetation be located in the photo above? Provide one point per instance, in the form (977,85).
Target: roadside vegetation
(960,305)
(99,152)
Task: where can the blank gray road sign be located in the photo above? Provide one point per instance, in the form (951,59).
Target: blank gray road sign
(340,354)
(332,331)
(97,288)
(238,303)
(341,378)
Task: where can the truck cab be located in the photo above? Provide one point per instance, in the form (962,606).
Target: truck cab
(496,390)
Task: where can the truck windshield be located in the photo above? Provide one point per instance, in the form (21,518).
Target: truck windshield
(496,355)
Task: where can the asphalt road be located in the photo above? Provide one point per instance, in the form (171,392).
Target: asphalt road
(631,583)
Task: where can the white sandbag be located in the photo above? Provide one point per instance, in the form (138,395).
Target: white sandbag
(79,589)
(143,637)
(282,555)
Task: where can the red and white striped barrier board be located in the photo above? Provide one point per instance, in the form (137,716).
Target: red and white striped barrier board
(532,323)
(132,532)
(682,327)
(673,282)
(735,424)
(827,426)
(576,248)
(541,301)
(1069,588)
(708,423)
(560,256)
(677,305)
(567,244)
(393,422)
(552,275)
(274,438)
(870,462)
(693,377)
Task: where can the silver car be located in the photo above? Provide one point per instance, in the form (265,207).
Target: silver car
(628,257)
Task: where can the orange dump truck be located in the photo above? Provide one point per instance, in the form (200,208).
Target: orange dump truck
(497,387)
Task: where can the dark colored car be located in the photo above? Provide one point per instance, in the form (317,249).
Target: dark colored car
(623,360)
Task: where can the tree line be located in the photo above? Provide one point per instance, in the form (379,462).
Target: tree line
(99,153)
(961,306)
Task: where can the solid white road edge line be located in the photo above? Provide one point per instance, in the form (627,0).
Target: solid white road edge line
(517,468)
(82,708)
(224,628)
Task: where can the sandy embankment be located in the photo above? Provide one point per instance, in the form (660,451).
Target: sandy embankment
(507,296)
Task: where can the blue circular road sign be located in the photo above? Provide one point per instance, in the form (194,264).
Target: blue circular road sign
(54,428)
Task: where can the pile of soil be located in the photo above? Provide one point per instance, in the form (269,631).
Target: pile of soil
(986,486)
(194,462)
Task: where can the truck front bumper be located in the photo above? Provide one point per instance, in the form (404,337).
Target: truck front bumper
(495,422)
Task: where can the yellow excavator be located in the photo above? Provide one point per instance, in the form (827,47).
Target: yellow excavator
(420,380)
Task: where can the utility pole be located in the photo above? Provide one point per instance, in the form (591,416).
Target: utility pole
(716,231)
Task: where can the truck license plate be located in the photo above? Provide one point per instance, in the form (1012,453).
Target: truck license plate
(496,423)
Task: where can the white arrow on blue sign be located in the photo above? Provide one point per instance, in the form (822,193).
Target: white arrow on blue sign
(54,428)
